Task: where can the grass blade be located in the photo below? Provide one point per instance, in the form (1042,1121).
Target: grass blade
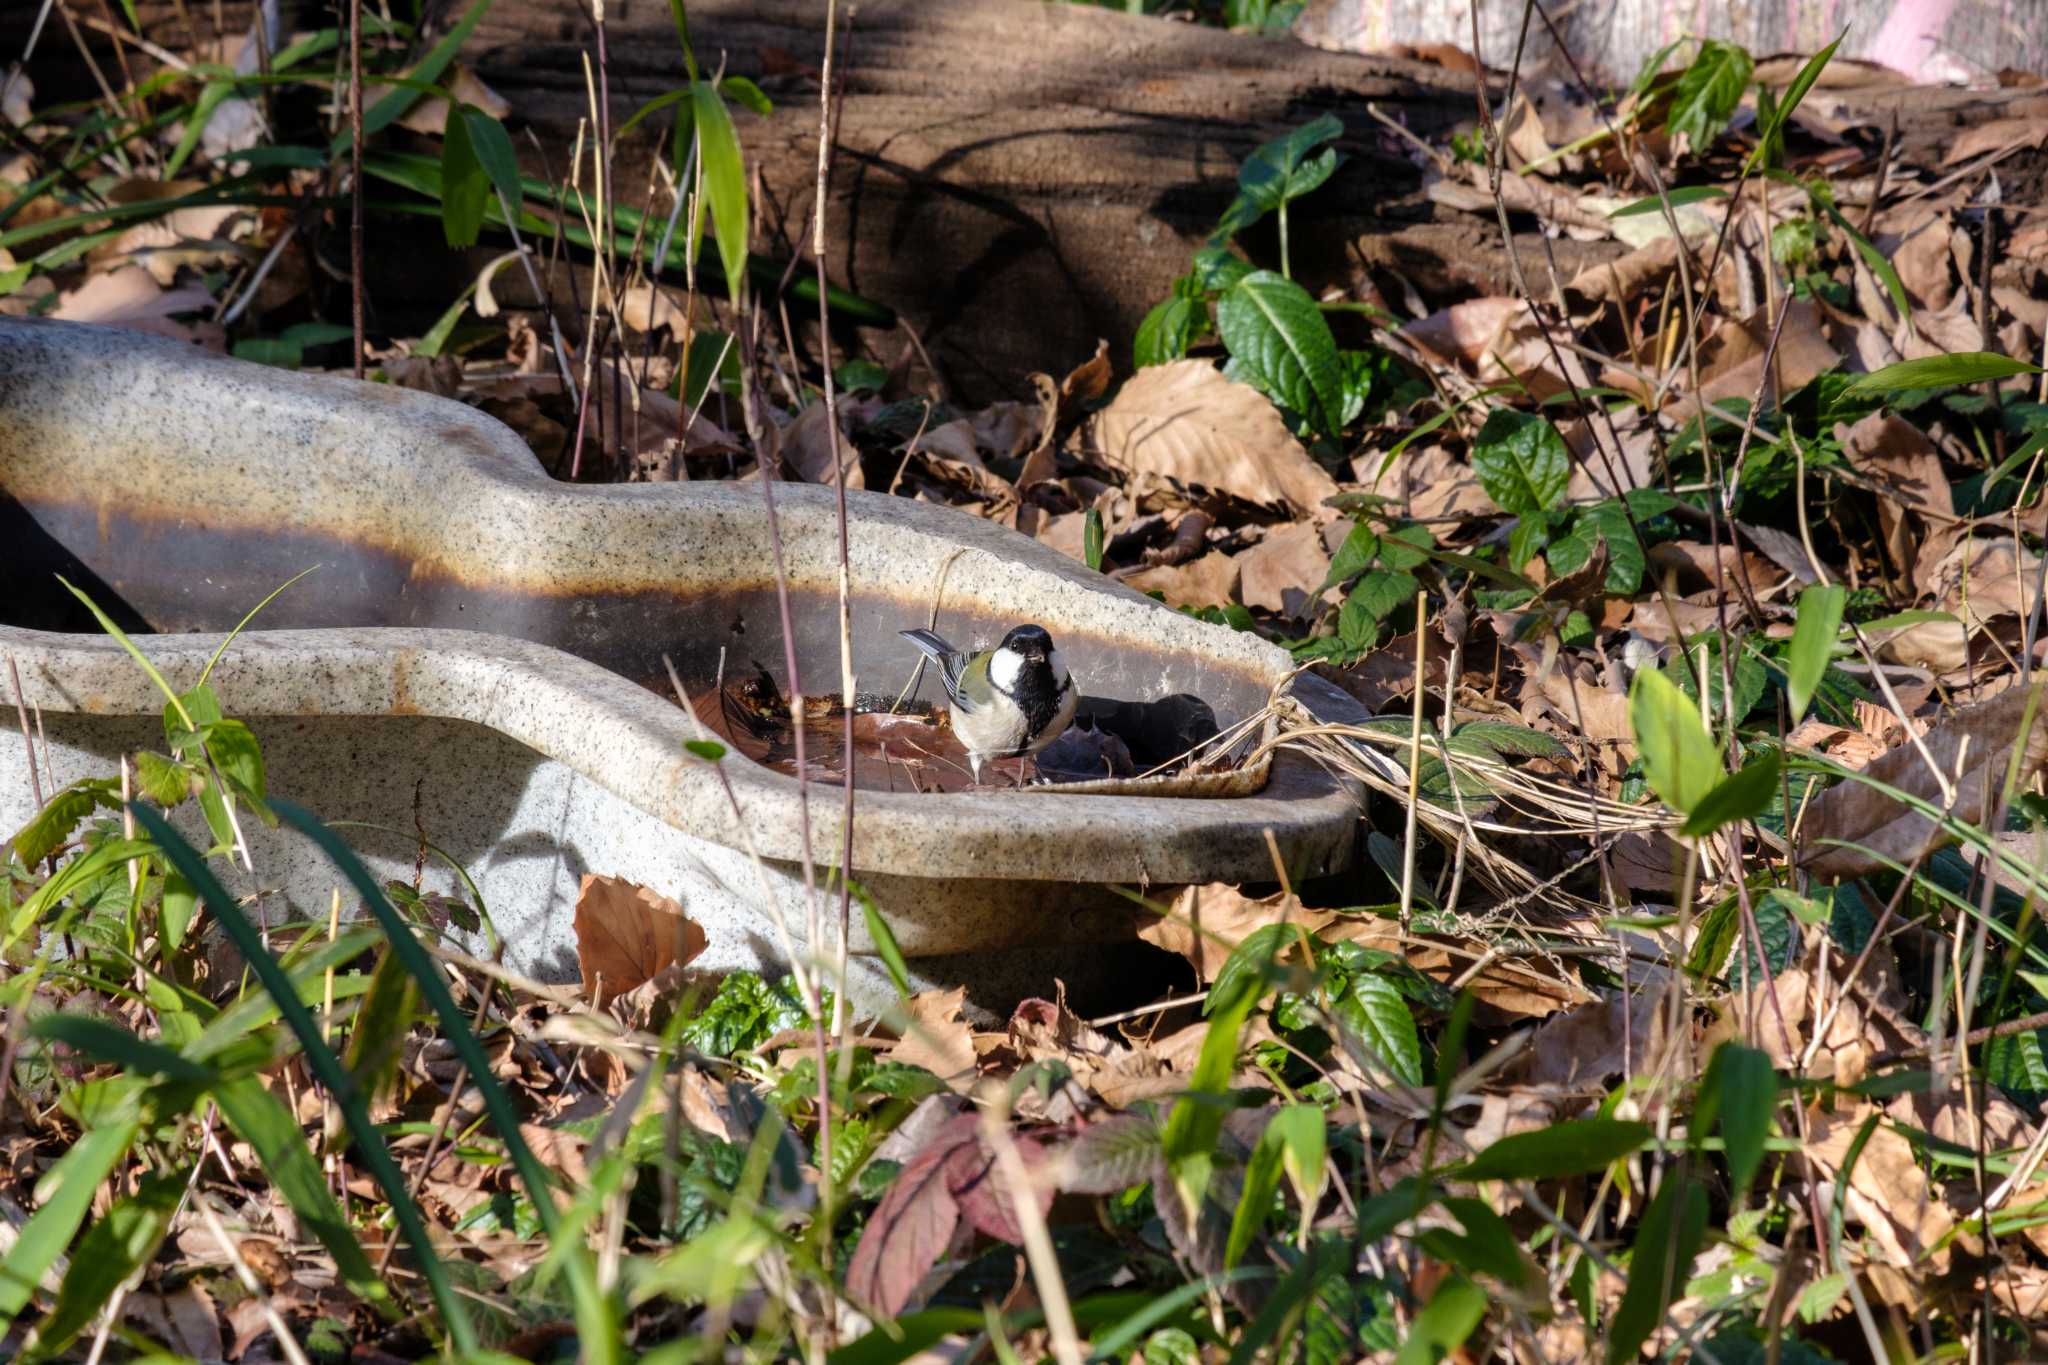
(595,1316)
(326,1066)
(74,1179)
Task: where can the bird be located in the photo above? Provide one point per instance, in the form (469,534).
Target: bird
(1006,702)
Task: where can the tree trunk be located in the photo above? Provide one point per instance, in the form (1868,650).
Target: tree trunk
(1017,180)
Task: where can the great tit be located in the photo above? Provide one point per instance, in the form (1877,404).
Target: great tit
(1007,702)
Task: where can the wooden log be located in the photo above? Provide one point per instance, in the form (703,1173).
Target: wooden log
(1016,179)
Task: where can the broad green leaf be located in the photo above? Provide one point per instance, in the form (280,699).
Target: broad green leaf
(70,1186)
(1444,1322)
(1284,169)
(1679,198)
(1939,371)
(1504,737)
(119,1241)
(1602,523)
(465,187)
(1246,966)
(1707,94)
(1679,758)
(1737,1094)
(1667,1239)
(1299,1130)
(1281,345)
(1168,330)
(1091,539)
(1572,1147)
(1214,269)
(1814,631)
(492,147)
(1739,796)
(725,178)
(1377,595)
(1521,461)
(1375,1009)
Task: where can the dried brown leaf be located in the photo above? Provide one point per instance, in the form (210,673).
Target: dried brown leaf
(626,933)
(1208,922)
(128,297)
(937,1037)
(1853,813)
(1284,571)
(1888,1192)
(1186,422)
(1210,581)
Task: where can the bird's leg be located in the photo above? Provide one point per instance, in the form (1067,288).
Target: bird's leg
(974,766)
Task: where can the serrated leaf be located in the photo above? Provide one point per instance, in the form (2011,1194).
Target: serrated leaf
(1379,1014)
(1708,92)
(1113,1154)
(1361,546)
(1679,758)
(1602,523)
(49,828)
(1521,461)
(1281,345)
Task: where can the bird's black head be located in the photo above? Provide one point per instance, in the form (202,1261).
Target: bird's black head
(1031,642)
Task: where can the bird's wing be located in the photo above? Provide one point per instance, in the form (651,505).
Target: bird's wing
(949,660)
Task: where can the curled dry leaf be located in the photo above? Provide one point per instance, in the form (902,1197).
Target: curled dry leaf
(1850,825)
(626,933)
(1185,421)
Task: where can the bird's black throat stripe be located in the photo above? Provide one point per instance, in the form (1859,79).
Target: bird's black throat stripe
(1039,704)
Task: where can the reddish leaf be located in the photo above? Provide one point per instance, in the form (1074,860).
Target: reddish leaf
(912,1225)
(984,1197)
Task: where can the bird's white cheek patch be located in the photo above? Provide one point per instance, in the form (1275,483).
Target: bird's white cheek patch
(1059,668)
(1004,668)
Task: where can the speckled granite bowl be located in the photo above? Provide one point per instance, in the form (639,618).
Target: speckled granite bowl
(475,658)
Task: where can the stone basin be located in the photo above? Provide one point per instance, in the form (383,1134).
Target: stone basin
(478,658)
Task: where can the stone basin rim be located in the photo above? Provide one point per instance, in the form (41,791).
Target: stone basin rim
(606,726)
